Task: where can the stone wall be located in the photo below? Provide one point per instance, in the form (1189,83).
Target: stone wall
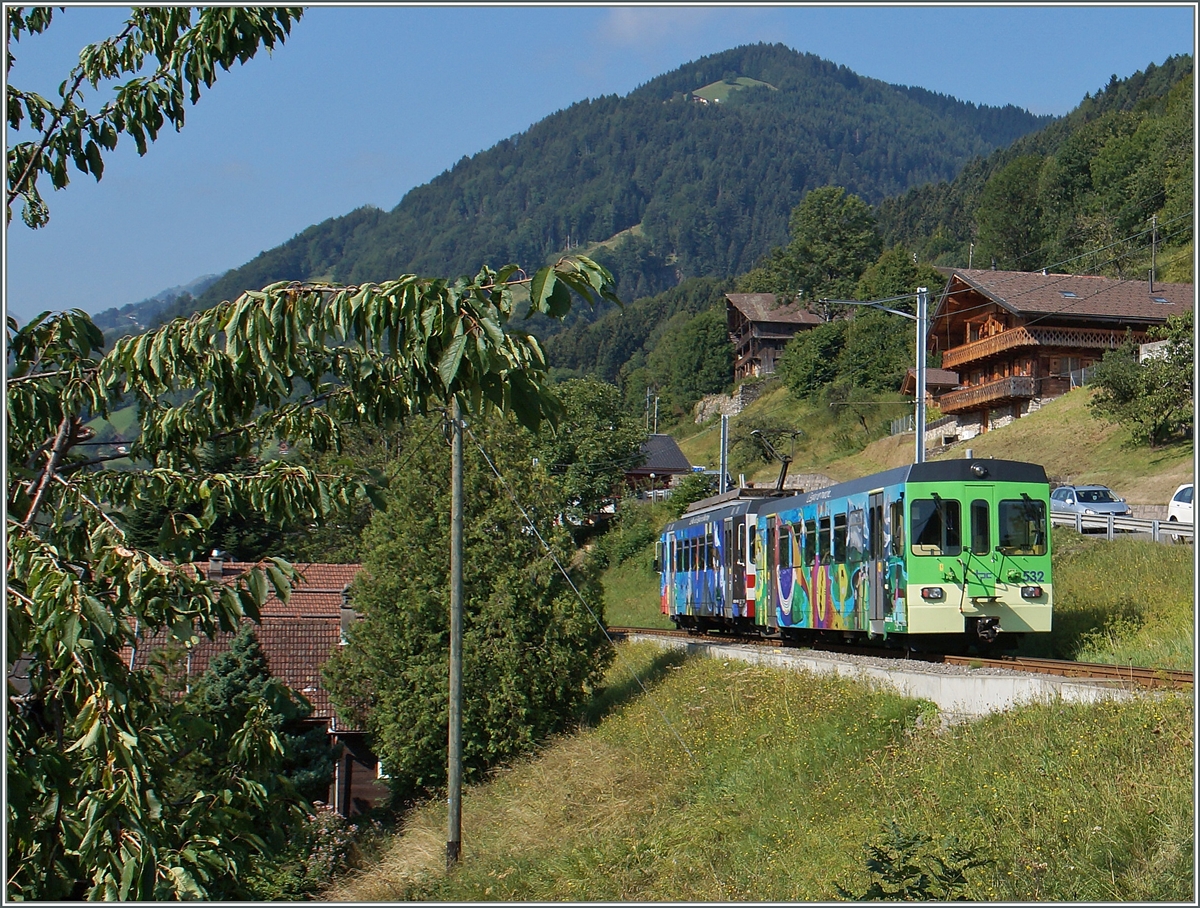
(728,404)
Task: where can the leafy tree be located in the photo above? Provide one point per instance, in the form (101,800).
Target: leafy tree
(595,443)
(242,536)
(746,451)
(895,273)
(810,359)
(180,55)
(1154,398)
(531,651)
(1087,183)
(366,452)
(833,240)
(878,350)
(1009,214)
(693,357)
(691,488)
(91,745)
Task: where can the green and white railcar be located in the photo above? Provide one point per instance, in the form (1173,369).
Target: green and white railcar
(946,549)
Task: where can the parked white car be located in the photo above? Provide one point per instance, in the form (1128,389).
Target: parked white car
(1180,508)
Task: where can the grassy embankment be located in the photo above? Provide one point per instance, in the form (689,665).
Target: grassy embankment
(732,782)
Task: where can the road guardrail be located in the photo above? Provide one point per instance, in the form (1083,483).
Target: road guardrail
(1159,530)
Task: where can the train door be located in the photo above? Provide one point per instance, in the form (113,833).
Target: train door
(770,601)
(751,544)
(735,566)
(876,563)
(668,576)
(979,558)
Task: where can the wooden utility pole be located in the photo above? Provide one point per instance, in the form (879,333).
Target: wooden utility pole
(454,773)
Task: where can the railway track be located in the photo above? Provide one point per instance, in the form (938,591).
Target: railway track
(1142,677)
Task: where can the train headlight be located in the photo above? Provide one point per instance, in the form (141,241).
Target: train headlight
(1031,592)
(932,592)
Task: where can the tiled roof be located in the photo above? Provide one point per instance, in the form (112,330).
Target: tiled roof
(297,638)
(662,457)
(765,307)
(1072,296)
(318,593)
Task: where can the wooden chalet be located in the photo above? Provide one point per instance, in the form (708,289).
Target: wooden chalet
(297,639)
(1015,337)
(760,326)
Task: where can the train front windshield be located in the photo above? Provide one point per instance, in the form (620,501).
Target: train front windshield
(1022,527)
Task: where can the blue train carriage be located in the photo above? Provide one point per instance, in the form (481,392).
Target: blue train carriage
(956,551)
(707,564)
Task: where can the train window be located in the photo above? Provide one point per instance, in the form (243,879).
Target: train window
(856,543)
(770,541)
(786,535)
(753,549)
(823,544)
(1022,527)
(936,526)
(810,542)
(898,526)
(981,534)
(839,538)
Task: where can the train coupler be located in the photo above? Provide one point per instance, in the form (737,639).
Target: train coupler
(987,629)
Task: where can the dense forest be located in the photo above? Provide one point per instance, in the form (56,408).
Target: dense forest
(711,185)
(1090,181)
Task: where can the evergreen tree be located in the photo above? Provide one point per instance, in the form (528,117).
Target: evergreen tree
(236,683)
(531,650)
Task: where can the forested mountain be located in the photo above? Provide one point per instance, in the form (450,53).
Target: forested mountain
(711,184)
(1089,181)
(1078,195)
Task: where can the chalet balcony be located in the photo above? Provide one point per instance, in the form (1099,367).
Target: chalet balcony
(1013,338)
(1006,390)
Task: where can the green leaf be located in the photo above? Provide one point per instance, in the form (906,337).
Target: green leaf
(448,367)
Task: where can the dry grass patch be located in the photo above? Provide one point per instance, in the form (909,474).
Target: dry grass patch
(574,790)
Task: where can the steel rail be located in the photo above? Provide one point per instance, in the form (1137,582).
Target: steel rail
(1151,678)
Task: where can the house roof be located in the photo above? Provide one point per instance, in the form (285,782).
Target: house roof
(663,457)
(766,307)
(319,592)
(935,380)
(297,638)
(1072,296)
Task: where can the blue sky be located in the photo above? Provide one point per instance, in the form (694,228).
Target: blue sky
(363,103)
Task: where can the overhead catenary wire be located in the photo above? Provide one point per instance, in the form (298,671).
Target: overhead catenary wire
(566,576)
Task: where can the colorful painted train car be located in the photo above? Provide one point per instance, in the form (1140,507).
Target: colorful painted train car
(954,550)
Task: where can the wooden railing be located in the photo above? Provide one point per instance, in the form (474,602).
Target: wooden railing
(1037,337)
(1015,387)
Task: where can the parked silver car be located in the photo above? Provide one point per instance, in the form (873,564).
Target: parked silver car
(1089,500)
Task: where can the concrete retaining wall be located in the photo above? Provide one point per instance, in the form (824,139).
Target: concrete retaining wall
(959,696)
